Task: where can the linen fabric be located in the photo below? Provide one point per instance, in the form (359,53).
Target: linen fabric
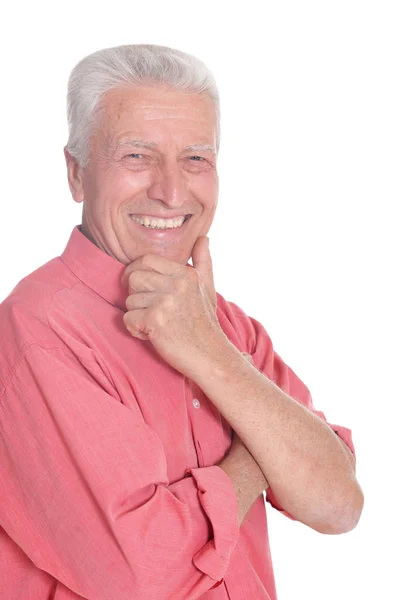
(109,484)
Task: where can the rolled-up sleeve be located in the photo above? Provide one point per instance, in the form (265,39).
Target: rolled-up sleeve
(85,492)
(219,501)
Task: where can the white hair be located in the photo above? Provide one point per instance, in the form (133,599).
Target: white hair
(137,65)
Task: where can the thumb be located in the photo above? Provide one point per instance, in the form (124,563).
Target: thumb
(202,262)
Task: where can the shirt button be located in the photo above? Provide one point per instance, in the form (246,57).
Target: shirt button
(196,403)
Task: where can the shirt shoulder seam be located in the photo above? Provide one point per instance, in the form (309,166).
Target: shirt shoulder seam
(69,269)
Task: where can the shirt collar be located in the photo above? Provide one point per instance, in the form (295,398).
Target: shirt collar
(95,268)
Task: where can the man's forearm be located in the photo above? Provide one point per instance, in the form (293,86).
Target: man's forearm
(246,476)
(309,471)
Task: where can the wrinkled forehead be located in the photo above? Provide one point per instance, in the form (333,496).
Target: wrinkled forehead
(157,109)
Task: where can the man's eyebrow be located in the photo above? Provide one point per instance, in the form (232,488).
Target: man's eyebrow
(201,148)
(137,144)
(144,144)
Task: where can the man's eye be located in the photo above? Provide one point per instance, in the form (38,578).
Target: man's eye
(134,155)
(197,158)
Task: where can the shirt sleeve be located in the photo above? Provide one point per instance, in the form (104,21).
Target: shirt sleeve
(265,359)
(85,492)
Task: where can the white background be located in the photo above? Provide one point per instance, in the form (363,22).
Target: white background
(305,238)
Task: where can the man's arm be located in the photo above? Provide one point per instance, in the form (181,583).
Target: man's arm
(86,495)
(311,474)
(348,453)
(245,474)
(309,471)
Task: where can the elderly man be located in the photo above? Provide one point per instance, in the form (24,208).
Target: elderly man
(142,414)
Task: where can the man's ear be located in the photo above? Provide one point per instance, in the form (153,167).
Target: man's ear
(75,176)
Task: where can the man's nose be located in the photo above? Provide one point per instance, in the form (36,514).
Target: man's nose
(169,186)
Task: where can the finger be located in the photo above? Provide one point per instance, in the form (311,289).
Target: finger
(140,300)
(147,281)
(133,321)
(202,262)
(151,262)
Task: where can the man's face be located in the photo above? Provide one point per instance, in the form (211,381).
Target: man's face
(152,155)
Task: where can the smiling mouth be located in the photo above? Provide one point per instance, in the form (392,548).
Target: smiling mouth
(161,224)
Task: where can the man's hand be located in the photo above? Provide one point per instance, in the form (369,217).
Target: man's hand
(174,306)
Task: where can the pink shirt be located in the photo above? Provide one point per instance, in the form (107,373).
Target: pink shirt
(109,484)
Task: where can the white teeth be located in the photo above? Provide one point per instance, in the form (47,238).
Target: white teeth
(159,223)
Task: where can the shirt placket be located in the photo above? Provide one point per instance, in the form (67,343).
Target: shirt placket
(200,422)
(195,410)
